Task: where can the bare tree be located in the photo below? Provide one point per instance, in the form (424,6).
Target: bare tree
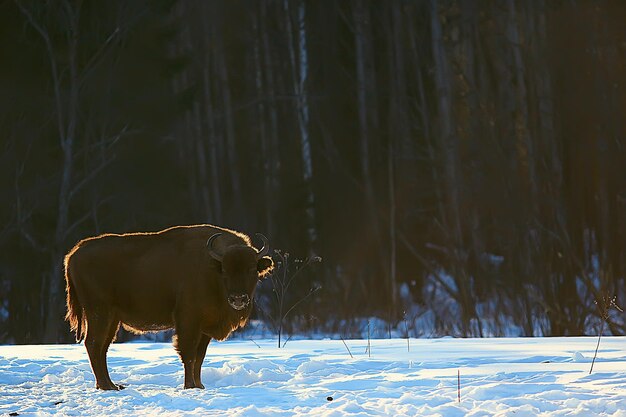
(68,77)
(451,224)
(369,125)
(66,110)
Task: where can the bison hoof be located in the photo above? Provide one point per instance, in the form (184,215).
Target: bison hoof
(194,386)
(111,387)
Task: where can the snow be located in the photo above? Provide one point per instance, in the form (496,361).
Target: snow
(499,377)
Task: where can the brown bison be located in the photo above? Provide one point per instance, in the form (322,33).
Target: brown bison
(198,280)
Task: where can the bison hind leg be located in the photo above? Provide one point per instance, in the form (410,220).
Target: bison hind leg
(101,331)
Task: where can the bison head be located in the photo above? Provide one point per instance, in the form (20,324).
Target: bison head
(241,267)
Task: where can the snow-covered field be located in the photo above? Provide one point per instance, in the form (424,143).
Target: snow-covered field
(498,377)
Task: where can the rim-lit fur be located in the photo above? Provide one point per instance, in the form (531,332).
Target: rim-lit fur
(75,315)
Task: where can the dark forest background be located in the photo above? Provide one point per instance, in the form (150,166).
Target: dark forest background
(455,163)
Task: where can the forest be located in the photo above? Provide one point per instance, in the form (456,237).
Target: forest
(459,167)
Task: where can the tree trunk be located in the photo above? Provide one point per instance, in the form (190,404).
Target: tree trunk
(213,140)
(212,151)
(448,141)
(267,155)
(228,117)
(197,153)
(273,149)
(364,97)
(300,74)
(393,284)
(398,134)
(368,123)
(54,313)
(525,145)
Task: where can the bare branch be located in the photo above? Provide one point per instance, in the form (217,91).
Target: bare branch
(53,65)
(92,174)
(83,218)
(109,142)
(312,291)
(426,264)
(21,216)
(93,61)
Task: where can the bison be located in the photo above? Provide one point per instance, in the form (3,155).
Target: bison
(199,280)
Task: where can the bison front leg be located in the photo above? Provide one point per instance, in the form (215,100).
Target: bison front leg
(200,354)
(186,343)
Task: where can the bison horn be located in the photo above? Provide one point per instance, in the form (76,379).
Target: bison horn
(266,246)
(209,244)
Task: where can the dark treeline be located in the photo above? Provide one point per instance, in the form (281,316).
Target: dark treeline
(452,161)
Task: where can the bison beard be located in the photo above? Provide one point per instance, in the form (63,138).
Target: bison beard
(199,280)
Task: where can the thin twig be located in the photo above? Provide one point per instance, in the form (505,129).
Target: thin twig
(458,379)
(313,290)
(281,281)
(288,339)
(408,339)
(369,344)
(597,346)
(607,303)
(347,348)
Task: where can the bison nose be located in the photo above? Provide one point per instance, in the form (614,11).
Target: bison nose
(239,301)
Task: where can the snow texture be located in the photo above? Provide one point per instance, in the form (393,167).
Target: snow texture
(499,377)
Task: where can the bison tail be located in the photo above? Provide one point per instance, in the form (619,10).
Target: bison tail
(75,313)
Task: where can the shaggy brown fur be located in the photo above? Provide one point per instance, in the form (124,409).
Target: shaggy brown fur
(162,280)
